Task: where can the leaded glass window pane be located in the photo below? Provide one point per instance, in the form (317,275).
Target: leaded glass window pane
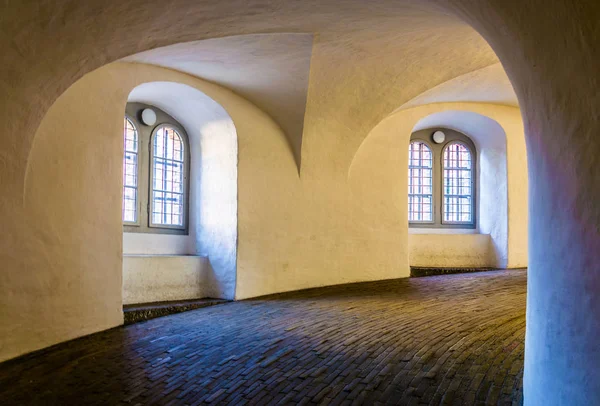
(420,182)
(458,184)
(130,172)
(168,168)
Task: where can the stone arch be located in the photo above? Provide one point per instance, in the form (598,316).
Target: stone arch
(382,156)
(73,199)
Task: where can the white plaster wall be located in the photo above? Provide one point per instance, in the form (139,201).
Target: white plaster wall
(72,196)
(343,221)
(165,277)
(69,279)
(156,244)
(214,201)
(448,251)
(61,188)
(442,231)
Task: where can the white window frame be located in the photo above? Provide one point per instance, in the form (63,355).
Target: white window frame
(137,187)
(472,186)
(151,189)
(432,195)
(145,171)
(452,136)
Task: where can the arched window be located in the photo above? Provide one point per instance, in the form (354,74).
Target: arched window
(130,173)
(442,179)
(168,165)
(155,173)
(420,182)
(458,184)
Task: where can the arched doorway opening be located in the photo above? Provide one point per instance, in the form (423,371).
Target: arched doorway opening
(199,259)
(495,240)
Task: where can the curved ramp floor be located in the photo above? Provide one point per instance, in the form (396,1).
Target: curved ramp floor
(455,339)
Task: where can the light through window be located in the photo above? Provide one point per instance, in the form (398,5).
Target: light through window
(458,184)
(420,186)
(167,178)
(130,172)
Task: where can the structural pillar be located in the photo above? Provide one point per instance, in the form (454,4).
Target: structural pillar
(551,52)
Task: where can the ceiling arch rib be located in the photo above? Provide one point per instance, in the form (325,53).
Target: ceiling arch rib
(486,85)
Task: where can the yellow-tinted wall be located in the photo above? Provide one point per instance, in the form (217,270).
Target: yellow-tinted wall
(342,220)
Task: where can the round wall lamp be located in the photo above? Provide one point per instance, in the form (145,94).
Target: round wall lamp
(148,117)
(438,137)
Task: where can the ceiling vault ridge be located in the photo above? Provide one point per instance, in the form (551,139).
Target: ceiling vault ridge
(414,102)
(232,91)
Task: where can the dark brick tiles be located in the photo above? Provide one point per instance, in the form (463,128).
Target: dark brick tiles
(454,339)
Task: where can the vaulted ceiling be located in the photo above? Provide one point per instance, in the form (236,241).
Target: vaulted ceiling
(322,70)
(270,70)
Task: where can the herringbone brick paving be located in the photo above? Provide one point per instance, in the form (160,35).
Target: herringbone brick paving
(453,339)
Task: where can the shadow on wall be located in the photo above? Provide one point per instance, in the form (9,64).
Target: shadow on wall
(213,184)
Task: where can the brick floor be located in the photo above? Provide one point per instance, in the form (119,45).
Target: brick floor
(453,339)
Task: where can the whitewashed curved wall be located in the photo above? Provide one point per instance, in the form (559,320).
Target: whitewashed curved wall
(343,220)
(72,200)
